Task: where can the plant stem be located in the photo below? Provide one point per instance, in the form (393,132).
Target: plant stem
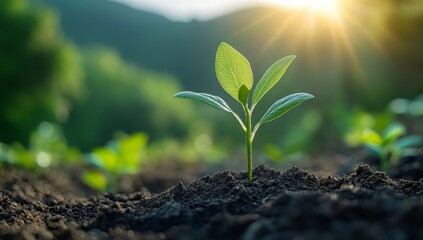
(384,162)
(239,121)
(249,141)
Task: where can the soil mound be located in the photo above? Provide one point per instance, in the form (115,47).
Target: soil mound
(275,205)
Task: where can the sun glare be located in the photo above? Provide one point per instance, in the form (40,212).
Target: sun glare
(326,7)
(311,24)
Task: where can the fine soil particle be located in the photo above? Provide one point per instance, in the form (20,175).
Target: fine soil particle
(294,204)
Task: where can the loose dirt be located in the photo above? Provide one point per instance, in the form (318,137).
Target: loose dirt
(294,204)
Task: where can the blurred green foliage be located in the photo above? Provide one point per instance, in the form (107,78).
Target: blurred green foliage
(39,71)
(380,133)
(297,141)
(120,156)
(413,107)
(42,77)
(388,146)
(355,121)
(47,148)
(409,112)
(122,96)
(95,179)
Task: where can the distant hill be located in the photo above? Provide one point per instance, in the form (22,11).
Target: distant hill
(344,65)
(144,38)
(186,50)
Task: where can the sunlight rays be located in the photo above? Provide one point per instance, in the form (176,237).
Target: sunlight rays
(256,22)
(311,21)
(324,7)
(316,28)
(282,29)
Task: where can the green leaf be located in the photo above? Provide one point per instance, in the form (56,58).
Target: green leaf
(105,158)
(243,95)
(95,180)
(409,141)
(370,136)
(376,150)
(271,77)
(392,133)
(206,98)
(232,70)
(284,105)
(130,149)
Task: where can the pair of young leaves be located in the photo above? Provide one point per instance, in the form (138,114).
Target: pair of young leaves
(234,74)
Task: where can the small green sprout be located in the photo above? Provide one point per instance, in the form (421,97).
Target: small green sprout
(119,157)
(234,74)
(388,146)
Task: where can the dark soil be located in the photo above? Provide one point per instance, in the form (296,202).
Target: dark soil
(408,167)
(294,204)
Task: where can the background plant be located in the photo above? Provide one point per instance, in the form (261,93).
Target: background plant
(118,157)
(234,74)
(388,146)
(126,98)
(294,144)
(47,148)
(413,107)
(40,71)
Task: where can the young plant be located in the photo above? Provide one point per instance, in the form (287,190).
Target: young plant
(388,146)
(119,157)
(234,74)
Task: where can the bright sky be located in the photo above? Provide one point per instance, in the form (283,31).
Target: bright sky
(185,10)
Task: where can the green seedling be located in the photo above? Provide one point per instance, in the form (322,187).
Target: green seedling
(234,74)
(119,157)
(388,146)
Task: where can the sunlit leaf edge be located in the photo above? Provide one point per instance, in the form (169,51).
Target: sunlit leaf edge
(272,76)
(283,105)
(211,100)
